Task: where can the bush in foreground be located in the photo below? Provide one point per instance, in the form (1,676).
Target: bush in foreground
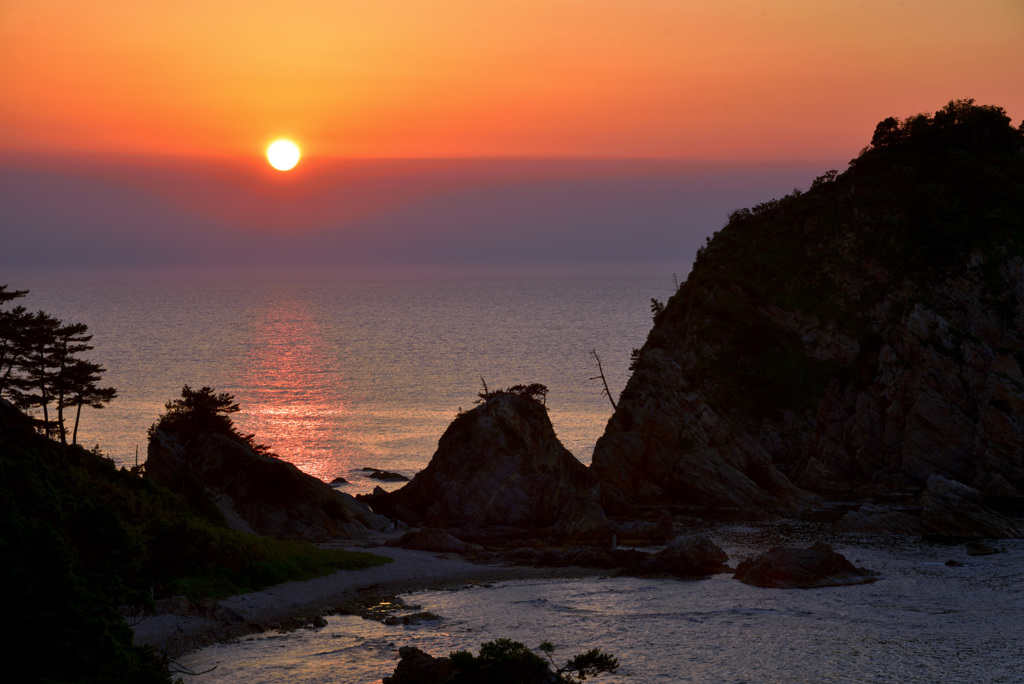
(502,661)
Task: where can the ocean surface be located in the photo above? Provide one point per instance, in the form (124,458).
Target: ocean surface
(339,376)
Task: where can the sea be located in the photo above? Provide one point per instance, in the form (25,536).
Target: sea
(337,377)
(341,376)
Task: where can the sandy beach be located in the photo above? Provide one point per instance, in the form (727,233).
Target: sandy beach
(190,627)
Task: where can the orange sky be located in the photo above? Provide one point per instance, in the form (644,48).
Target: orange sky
(712,79)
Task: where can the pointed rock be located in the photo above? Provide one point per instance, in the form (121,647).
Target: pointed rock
(501,464)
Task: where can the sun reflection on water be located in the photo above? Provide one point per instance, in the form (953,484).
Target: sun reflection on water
(297,399)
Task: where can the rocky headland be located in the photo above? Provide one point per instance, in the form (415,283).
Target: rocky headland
(860,339)
(856,348)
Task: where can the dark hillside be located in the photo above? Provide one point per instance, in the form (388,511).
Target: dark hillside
(80,538)
(69,561)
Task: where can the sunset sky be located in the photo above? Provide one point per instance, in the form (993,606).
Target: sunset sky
(158,113)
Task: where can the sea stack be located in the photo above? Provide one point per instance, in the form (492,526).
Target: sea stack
(501,465)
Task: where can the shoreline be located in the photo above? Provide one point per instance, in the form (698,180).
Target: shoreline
(187,627)
(283,606)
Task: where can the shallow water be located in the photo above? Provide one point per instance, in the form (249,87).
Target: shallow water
(922,621)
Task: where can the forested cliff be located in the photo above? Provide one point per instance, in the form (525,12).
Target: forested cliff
(857,337)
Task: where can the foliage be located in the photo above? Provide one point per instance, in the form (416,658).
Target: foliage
(534,392)
(40,366)
(657,310)
(504,661)
(588,664)
(203,411)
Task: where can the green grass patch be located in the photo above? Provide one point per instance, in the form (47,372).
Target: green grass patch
(260,562)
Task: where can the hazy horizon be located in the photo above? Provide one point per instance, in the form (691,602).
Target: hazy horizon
(86,217)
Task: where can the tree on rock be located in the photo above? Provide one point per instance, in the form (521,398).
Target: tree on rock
(204,410)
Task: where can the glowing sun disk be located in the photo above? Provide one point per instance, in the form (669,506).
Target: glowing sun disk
(283,154)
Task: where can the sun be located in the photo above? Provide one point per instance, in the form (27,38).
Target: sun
(283,154)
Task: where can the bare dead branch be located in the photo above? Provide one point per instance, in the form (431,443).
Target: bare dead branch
(600,376)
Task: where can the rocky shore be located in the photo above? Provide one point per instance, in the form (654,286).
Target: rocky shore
(180,626)
(501,499)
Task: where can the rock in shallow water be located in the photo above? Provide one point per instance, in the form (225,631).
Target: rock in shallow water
(979,549)
(690,556)
(818,566)
(385,475)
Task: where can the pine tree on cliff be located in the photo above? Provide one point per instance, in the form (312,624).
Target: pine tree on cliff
(41,367)
(204,411)
(12,325)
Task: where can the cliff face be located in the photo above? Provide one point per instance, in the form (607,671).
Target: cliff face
(665,445)
(942,396)
(858,337)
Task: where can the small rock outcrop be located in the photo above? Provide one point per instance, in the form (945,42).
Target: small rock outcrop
(785,568)
(500,464)
(429,539)
(979,549)
(384,475)
(872,518)
(692,556)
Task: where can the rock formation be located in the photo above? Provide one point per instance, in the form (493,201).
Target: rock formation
(256,492)
(666,446)
(818,566)
(946,508)
(501,465)
(429,539)
(691,556)
(860,337)
(873,518)
(952,508)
